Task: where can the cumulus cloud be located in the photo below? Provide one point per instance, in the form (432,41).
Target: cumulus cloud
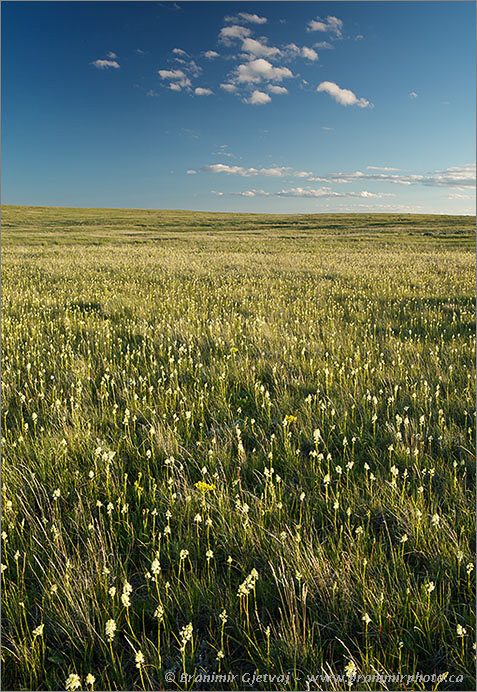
(302,192)
(211,54)
(381,168)
(292,51)
(309,192)
(240,170)
(309,53)
(229,33)
(246,17)
(259,49)
(261,69)
(274,172)
(179,51)
(106,64)
(179,77)
(457,177)
(258,98)
(200,91)
(191,171)
(323,45)
(344,96)
(331,24)
(274,89)
(111,55)
(228,87)
(413,95)
(314,192)
(170,74)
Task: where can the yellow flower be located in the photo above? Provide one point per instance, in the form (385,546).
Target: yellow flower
(90,679)
(203,486)
(73,682)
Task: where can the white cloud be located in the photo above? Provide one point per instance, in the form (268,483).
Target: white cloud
(365,193)
(315,25)
(111,55)
(292,51)
(228,87)
(228,33)
(191,171)
(381,168)
(246,17)
(105,64)
(309,53)
(170,74)
(308,192)
(224,168)
(274,89)
(314,192)
(190,66)
(276,172)
(260,69)
(332,24)
(258,98)
(179,77)
(323,45)
(459,177)
(344,96)
(200,91)
(462,177)
(259,49)
(413,95)
(211,54)
(219,194)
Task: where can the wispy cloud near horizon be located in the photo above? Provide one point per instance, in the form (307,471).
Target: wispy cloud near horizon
(458,177)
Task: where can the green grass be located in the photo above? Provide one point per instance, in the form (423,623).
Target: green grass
(315,371)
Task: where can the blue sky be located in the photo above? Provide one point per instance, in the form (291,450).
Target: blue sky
(240,106)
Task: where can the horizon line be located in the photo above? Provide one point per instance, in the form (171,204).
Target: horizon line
(249,213)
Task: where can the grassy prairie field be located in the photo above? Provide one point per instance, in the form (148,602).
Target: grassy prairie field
(237,443)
